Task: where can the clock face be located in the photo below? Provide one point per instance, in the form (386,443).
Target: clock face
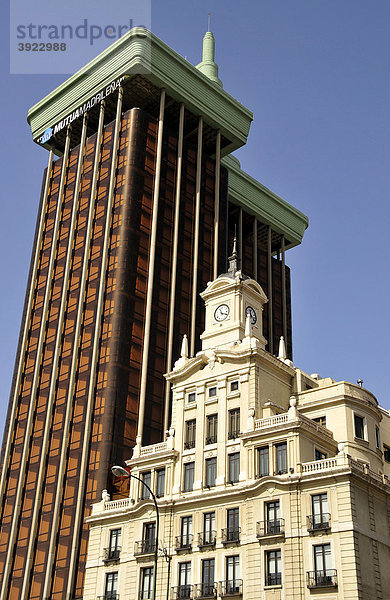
(251,311)
(222,312)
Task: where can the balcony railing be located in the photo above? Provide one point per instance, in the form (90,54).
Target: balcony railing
(184,542)
(231,535)
(231,588)
(273,579)
(205,590)
(232,435)
(206,539)
(144,547)
(183,592)
(270,527)
(190,444)
(318,522)
(317,579)
(111,554)
(109,596)
(211,439)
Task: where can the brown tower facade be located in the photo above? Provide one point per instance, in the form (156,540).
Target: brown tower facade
(135,218)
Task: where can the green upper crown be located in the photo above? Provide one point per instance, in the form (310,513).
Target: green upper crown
(208,66)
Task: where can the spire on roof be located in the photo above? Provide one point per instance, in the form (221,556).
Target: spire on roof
(233,259)
(208,66)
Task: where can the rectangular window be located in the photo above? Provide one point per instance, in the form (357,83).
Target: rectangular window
(208,577)
(234,467)
(211,429)
(233,525)
(146,583)
(160,487)
(234,423)
(319,455)
(186,532)
(386,453)
(281,458)
(115,544)
(232,575)
(149,537)
(111,589)
(146,478)
(272,524)
(234,386)
(323,565)
(189,469)
(273,563)
(209,528)
(191,397)
(320,420)
(377,437)
(263,461)
(211,471)
(212,392)
(359,427)
(184,590)
(190,432)
(320,517)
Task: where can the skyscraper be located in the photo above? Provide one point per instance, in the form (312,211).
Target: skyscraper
(136,216)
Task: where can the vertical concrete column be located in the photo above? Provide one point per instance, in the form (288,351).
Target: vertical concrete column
(30,299)
(36,378)
(54,372)
(284,298)
(171,320)
(196,236)
(73,368)
(240,246)
(95,355)
(270,292)
(255,267)
(216,202)
(152,256)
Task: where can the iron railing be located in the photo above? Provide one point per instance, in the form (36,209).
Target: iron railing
(205,590)
(206,539)
(231,534)
(273,579)
(325,578)
(316,522)
(231,587)
(184,542)
(111,554)
(183,592)
(270,527)
(144,547)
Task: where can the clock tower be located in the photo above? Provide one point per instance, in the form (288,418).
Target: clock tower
(233,302)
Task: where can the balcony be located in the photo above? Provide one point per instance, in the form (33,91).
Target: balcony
(183,592)
(232,435)
(111,554)
(322,579)
(212,439)
(109,596)
(207,539)
(273,528)
(184,542)
(188,445)
(144,547)
(273,579)
(205,590)
(318,522)
(231,588)
(231,535)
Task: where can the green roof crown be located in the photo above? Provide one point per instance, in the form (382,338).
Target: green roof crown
(208,66)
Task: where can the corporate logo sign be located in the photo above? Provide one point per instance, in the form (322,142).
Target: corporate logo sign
(49,37)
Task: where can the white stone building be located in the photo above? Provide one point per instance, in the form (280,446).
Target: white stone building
(271,484)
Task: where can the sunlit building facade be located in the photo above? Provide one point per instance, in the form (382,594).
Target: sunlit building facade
(139,203)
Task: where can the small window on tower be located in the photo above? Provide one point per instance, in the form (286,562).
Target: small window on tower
(191,397)
(212,392)
(234,386)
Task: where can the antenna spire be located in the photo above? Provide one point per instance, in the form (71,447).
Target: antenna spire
(208,21)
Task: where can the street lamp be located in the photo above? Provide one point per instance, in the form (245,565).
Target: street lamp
(119,471)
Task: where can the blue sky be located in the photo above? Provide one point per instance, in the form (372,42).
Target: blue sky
(316,74)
